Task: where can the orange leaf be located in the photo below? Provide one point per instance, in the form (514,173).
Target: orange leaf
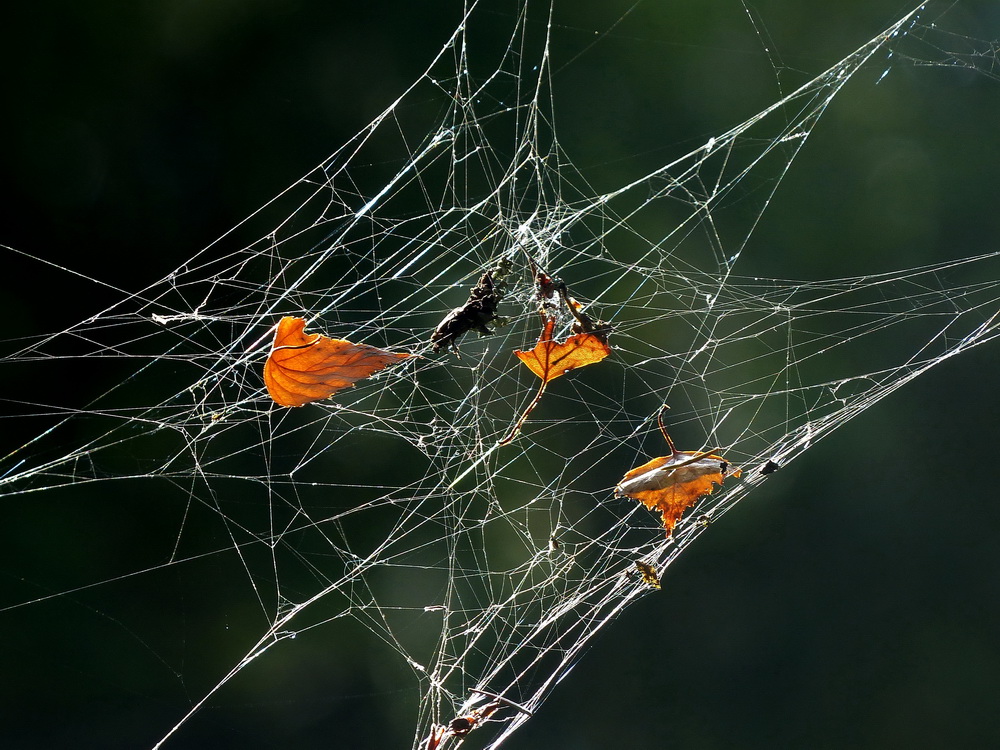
(672,484)
(550,359)
(305,368)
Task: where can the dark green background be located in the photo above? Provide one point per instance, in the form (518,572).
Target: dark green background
(854,601)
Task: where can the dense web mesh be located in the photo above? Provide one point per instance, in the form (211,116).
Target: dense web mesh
(484,570)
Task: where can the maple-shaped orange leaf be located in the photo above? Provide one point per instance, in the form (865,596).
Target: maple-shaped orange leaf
(303,368)
(551,359)
(672,484)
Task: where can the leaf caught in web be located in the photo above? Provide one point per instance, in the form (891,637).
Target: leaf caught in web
(672,484)
(648,573)
(304,368)
(478,312)
(550,359)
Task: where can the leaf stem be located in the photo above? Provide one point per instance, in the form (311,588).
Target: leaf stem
(663,429)
(517,427)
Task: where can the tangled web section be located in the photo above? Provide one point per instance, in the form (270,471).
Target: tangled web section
(459,503)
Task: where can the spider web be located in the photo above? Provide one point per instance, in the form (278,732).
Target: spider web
(484,570)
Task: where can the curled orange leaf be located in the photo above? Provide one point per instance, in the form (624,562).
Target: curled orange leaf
(672,484)
(303,368)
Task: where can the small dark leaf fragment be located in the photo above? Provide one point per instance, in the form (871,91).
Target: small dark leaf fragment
(475,315)
(648,573)
(769,467)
